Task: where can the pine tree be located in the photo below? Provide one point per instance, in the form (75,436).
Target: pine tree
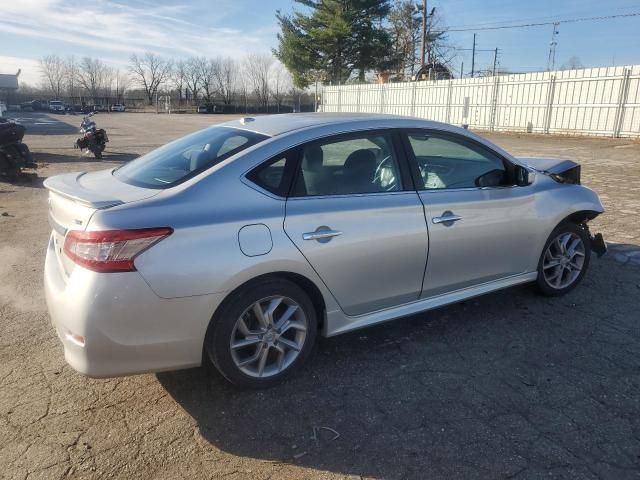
(335,41)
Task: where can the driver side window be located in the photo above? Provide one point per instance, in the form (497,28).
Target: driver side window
(446,162)
(357,164)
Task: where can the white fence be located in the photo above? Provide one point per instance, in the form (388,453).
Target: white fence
(591,101)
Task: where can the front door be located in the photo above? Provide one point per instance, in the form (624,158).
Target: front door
(355,222)
(481,226)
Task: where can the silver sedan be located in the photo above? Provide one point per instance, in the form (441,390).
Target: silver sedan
(239,244)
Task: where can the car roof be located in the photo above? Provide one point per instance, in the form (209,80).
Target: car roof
(273,125)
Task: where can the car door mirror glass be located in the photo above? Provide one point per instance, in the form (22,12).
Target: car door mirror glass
(524,176)
(493,178)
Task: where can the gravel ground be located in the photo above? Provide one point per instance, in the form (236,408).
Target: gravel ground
(510,385)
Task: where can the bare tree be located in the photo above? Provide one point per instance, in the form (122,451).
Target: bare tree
(225,73)
(280,84)
(257,69)
(121,84)
(149,71)
(179,78)
(193,78)
(242,87)
(52,69)
(71,76)
(94,76)
(206,68)
(573,63)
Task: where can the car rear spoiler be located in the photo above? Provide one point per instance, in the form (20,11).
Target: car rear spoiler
(68,186)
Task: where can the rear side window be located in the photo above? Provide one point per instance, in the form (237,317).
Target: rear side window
(275,175)
(180,160)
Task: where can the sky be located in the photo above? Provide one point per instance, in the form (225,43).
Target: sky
(114,29)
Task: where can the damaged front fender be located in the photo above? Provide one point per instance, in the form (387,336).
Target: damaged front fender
(562,171)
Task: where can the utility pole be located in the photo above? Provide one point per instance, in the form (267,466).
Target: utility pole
(423,48)
(495,61)
(462,69)
(473,56)
(551,61)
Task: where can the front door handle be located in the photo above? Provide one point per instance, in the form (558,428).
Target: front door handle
(322,234)
(448,218)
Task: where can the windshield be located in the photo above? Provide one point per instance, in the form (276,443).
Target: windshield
(180,160)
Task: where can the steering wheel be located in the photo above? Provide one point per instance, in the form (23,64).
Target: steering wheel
(379,179)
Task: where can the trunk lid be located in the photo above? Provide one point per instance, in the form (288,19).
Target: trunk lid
(75,197)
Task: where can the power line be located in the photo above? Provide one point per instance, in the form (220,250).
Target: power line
(541,24)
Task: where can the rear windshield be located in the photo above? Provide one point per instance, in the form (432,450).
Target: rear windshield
(180,160)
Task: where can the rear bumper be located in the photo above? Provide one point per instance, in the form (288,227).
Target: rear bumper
(113,324)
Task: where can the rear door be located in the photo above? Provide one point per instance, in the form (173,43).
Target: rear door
(481,226)
(355,216)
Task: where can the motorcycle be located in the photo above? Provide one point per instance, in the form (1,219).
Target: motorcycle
(14,155)
(94,139)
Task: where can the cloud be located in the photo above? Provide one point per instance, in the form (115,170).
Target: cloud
(121,29)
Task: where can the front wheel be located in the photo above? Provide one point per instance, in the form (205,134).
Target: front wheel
(262,334)
(564,260)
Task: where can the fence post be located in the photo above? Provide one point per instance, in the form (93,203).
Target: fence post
(413,99)
(449,92)
(494,103)
(622,100)
(382,98)
(339,98)
(550,95)
(359,92)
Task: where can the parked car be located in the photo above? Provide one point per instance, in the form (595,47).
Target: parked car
(56,106)
(100,108)
(118,107)
(239,244)
(202,109)
(26,107)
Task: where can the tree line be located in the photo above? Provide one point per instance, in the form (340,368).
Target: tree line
(258,78)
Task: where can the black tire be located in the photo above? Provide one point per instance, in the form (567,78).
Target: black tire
(543,285)
(97,153)
(219,336)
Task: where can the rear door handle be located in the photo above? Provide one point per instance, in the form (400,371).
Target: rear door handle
(321,235)
(448,218)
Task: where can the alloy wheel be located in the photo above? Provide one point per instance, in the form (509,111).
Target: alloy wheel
(563,260)
(268,336)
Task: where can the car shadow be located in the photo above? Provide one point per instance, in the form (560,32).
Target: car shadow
(462,391)
(40,123)
(429,395)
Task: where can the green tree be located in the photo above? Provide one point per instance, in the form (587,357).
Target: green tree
(334,40)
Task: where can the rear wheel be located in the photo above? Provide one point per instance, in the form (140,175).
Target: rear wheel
(262,334)
(564,260)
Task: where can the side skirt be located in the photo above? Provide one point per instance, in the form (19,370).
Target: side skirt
(337,322)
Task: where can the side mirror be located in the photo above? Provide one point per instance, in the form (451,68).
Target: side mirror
(524,176)
(493,178)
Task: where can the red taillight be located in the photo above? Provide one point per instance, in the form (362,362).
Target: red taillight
(111,250)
